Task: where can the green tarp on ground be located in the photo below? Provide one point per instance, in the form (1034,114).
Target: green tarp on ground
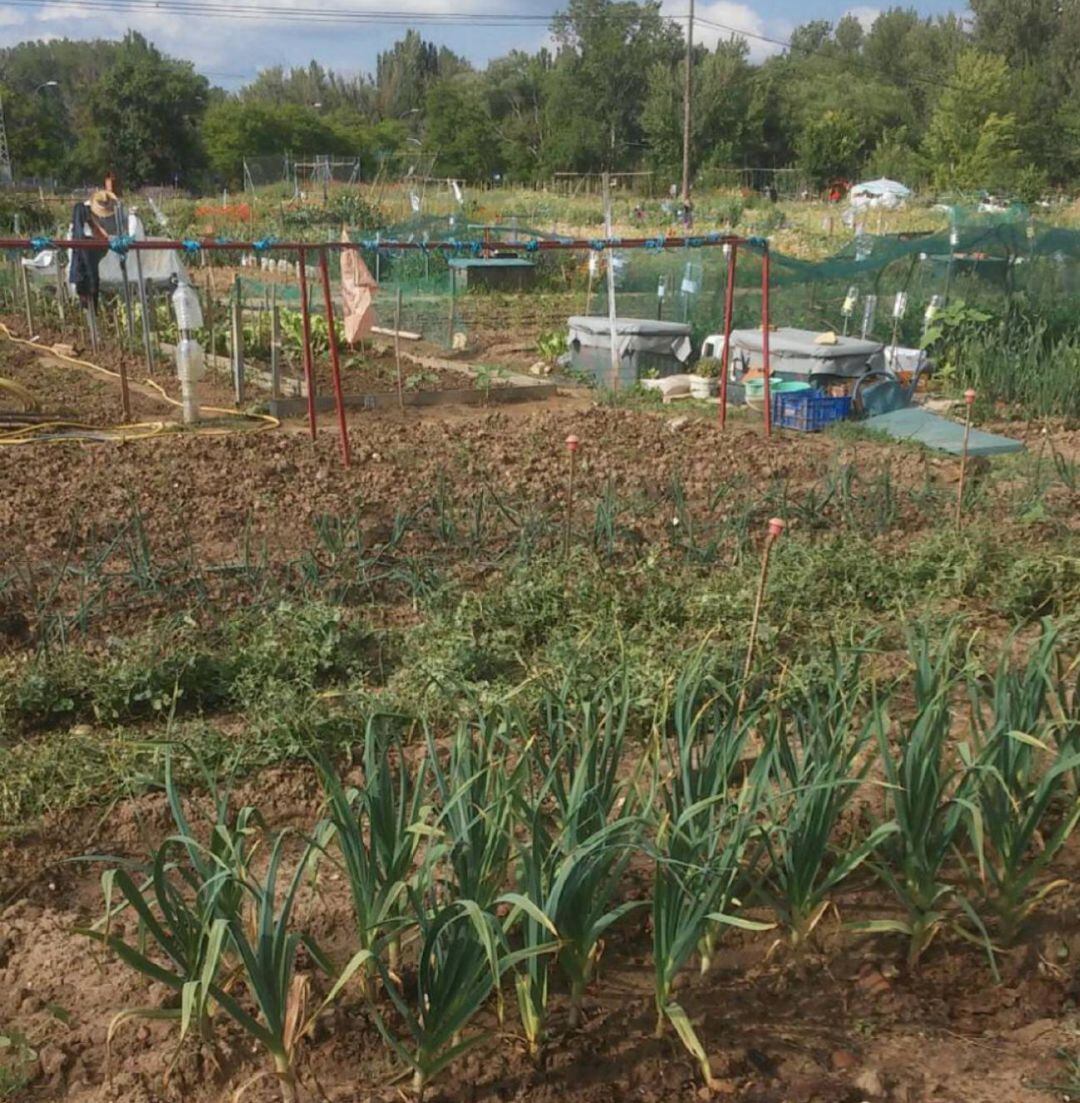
(923,427)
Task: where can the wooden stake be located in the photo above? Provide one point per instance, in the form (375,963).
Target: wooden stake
(397,349)
(26,299)
(238,341)
(453,295)
(572,445)
(305,317)
(969,399)
(275,345)
(61,290)
(125,396)
(776,527)
(612,316)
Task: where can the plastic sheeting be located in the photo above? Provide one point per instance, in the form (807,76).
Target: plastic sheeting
(633,335)
(796,352)
(923,427)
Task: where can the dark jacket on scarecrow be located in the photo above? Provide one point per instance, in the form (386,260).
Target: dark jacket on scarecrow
(95,219)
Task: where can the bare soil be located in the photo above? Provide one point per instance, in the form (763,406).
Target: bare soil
(845,1022)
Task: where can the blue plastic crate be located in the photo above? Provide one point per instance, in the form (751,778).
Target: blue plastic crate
(808,411)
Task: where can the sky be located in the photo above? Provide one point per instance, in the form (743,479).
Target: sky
(231,51)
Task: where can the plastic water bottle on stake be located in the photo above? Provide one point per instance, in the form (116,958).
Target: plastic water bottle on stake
(190,361)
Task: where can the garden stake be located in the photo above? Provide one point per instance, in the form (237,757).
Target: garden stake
(397,349)
(144,309)
(729,306)
(765,361)
(572,445)
(275,345)
(26,300)
(61,291)
(305,316)
(237,311)
(969,399)
(125,396)
(453,295)
(776,526)
(335,362)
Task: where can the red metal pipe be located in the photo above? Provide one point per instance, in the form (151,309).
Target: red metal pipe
(309,368)
(765,362)
(335,362)
(213,245)
(729,309)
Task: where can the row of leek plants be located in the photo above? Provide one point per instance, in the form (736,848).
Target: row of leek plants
(496,860)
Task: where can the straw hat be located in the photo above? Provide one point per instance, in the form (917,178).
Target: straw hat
(103,204)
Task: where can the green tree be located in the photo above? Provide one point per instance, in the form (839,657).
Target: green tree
(460,130)
(606,50)
(235,129)
(723,130)
(972,140)
(144,117)
(405,73)
(829,146)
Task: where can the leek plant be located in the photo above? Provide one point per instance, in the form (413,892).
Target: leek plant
(378,830)
(579,753)
(214,923)
(1017,778)
(930,811)
(463,956)
(475,788)
(706,826)
(582,831)
(268,958)
(813,778)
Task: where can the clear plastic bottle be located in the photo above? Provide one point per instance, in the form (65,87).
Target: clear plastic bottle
(190,361)
(186,308)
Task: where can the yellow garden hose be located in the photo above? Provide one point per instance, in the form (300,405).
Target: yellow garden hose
(47,432)
(21,393)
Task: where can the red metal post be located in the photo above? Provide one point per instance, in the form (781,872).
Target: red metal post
(729,307)
(309,369)
(765,363)
(335,362)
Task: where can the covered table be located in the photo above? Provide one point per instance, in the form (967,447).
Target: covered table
(797,354)
(645,347)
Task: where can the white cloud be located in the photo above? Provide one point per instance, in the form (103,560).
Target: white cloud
(865,14)
(718,20)
(242,47)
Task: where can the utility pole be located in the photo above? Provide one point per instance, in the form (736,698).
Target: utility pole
(6,176)
(688,99)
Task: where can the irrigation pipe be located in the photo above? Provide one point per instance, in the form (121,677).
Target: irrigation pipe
(60,431)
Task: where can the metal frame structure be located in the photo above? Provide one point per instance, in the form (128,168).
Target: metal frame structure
(323,249)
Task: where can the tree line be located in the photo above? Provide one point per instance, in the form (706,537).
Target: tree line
(988,102)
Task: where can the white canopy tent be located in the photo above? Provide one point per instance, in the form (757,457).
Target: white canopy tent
(890,194)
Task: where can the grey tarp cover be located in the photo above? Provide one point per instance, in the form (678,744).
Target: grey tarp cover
(934,431)
(796,352)
(632,335)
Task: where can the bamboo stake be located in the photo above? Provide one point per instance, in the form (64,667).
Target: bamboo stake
(572,445)
(969,400)
(26,299)
(305,316)
(397,349)
(776,527)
